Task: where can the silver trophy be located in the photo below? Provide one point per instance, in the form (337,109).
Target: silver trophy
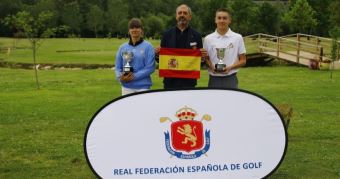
(127,56)
(220,65)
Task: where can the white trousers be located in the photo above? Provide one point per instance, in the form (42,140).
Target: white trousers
(126,91)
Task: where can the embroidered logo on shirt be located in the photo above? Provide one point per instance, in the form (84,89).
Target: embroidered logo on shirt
(230,46)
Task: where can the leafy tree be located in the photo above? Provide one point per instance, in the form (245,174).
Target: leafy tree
(71,17)
(268,19)
(335,34)
(154,26)
(334,21)
(334,16)
(115,14)
(35,28)
(196,22)
(168,20)
(39,6)
(95,19)
(301,17)
(123,28)
(244,16)
(322,15)
(8,7)
(208,16)
(137,8)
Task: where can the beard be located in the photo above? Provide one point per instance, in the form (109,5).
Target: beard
(182,21)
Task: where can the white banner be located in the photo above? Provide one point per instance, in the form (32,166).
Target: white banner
(182,134)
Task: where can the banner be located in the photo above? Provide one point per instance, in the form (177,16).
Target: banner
(198,133)
(179,63)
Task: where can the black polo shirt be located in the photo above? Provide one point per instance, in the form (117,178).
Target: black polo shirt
(181,38)
(188,39)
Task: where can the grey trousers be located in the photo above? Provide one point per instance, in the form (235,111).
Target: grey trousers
(223,81)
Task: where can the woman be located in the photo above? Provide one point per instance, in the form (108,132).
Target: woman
(142,61)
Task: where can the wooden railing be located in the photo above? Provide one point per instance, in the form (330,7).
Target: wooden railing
(298,45)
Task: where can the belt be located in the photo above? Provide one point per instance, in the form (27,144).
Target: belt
(234,74)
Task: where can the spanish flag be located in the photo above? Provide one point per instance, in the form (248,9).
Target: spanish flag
(179,63)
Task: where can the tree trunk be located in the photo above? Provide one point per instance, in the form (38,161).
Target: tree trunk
(34,46)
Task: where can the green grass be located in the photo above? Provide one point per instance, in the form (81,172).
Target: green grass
(84,51)
(41,131)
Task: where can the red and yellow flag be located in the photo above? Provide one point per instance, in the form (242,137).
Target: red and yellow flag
(179,63)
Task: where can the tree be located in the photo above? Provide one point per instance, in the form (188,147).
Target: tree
(70,16)
(137,8)
(123,28)
(301,17)
(322,15)
(335,34)
(334,16)
(269,19)
(208,17)
(196,22)
(244,16)
(8,7)
(115,14)
(95,19)
(35,29)
(40,6)
(154,26)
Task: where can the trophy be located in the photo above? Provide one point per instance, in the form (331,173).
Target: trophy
(127,56)
(220,66)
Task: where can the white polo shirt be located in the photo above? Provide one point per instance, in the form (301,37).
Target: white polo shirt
(234,44)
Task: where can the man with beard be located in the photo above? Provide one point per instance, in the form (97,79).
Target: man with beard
(181,36)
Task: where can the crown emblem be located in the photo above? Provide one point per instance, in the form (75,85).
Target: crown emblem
(186,113)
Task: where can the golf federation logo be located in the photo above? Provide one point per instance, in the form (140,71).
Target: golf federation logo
(187,141)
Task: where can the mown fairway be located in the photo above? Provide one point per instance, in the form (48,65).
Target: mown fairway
(41,131)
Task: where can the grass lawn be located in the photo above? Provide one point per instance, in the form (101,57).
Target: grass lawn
(69,50)
(41,131)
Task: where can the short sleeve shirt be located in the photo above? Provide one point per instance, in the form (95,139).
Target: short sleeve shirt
(233,42)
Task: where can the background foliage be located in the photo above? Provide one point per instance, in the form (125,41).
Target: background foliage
(108,18)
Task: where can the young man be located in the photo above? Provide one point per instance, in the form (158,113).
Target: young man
(235,51)
(181,36)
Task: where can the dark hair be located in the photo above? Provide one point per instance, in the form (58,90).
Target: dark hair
(223,10)
(135,23)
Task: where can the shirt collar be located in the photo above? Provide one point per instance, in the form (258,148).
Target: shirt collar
(137,43)
(228,34)
(186,29)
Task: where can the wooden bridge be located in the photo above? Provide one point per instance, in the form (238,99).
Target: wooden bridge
(296,48)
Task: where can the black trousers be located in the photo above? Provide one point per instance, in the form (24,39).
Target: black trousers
(175,83)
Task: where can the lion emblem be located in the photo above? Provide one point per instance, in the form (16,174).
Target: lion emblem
(189,133)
